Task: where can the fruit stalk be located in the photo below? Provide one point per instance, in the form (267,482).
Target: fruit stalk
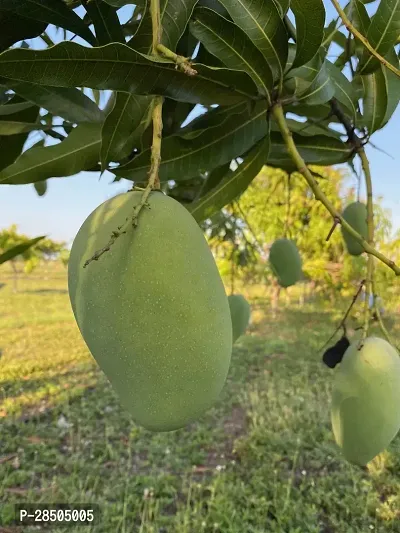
(362,39)
(279,116)
(370,237)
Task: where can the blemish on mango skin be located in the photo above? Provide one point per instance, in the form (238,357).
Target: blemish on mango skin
(153,310)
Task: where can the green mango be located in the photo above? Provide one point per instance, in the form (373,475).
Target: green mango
(285,262)
(355,214)
(365,411)
(240,315)
(153,309)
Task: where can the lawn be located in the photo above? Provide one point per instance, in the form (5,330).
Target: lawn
(262,460)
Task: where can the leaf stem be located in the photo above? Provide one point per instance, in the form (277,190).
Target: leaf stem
(181,62)
(363,39)
(279,116)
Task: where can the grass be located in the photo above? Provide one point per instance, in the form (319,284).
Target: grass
(262,460)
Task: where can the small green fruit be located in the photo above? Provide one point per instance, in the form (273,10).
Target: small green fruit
(365,409)
(153,309)
(240,315)
(355,214)
(285,262)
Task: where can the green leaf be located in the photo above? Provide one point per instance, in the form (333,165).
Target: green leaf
(126,118)
(10,109)
(308,129)
(41,187)
(50,12)
(70,103)
(105,21)
(381,96)
(234,183)
(231,45)
(382,34)
(11,146)
(121,3)
(315,150)
(214,178)
(345,92)
(79,151)
(175,15)
(321,90)
(10,127)
(358,14)
(283,6)
(15,28)
(18,249)
(118,67)
(261,21)
(184,158)
(310,21)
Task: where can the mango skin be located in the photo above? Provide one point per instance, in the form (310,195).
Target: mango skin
(152,310)
(240,315)
(285,262)
(355,214)
(365,411)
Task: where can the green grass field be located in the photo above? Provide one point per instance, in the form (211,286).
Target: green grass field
(262,460)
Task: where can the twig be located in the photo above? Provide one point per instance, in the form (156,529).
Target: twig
(183,63)
(343,321)
(153,180)
(363,39)
(279,116)
(336,221)
(370,235)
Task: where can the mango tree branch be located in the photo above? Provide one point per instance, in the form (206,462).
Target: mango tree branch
(183,63)
(279,116)
(363,39)
(370,238)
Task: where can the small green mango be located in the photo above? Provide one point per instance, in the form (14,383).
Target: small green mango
(355,214)
(240,315)
(153,309)
(365,411)
(285,262)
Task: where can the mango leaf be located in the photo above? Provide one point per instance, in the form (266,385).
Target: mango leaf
(123,121)
(215,6)
(10,127)
(121,3)
(11,146)
(214,117)
(261,21)
(41,187)
(382,34)
(15,28)
(231,45)
(381,95)
(205,58)
(358,14)
(321,90)
(344,91)
(70,103)
(283,6)
(175,15)
(308,129)
(182,158)
(310,21)
(118,67)
(19,249)
(105,21)
(50,12)
(315,150)
(214,178)
(10,109)
(142,39)
(79,151)
(234,183)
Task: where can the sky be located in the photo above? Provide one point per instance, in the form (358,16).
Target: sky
(68,201)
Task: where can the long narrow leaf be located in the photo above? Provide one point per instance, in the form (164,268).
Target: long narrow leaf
(18,249)
(118,67)
(310,21)
(105,21)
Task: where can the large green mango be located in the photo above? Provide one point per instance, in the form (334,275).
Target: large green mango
(355,214)
(240,315)
(152,310)
(285,262)
(365,410)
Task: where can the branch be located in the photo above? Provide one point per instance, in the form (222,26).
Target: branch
(370,236)
(182,63)
(363,39)
(279,116)
(153,180)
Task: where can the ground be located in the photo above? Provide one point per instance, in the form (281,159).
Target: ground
(262,460)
